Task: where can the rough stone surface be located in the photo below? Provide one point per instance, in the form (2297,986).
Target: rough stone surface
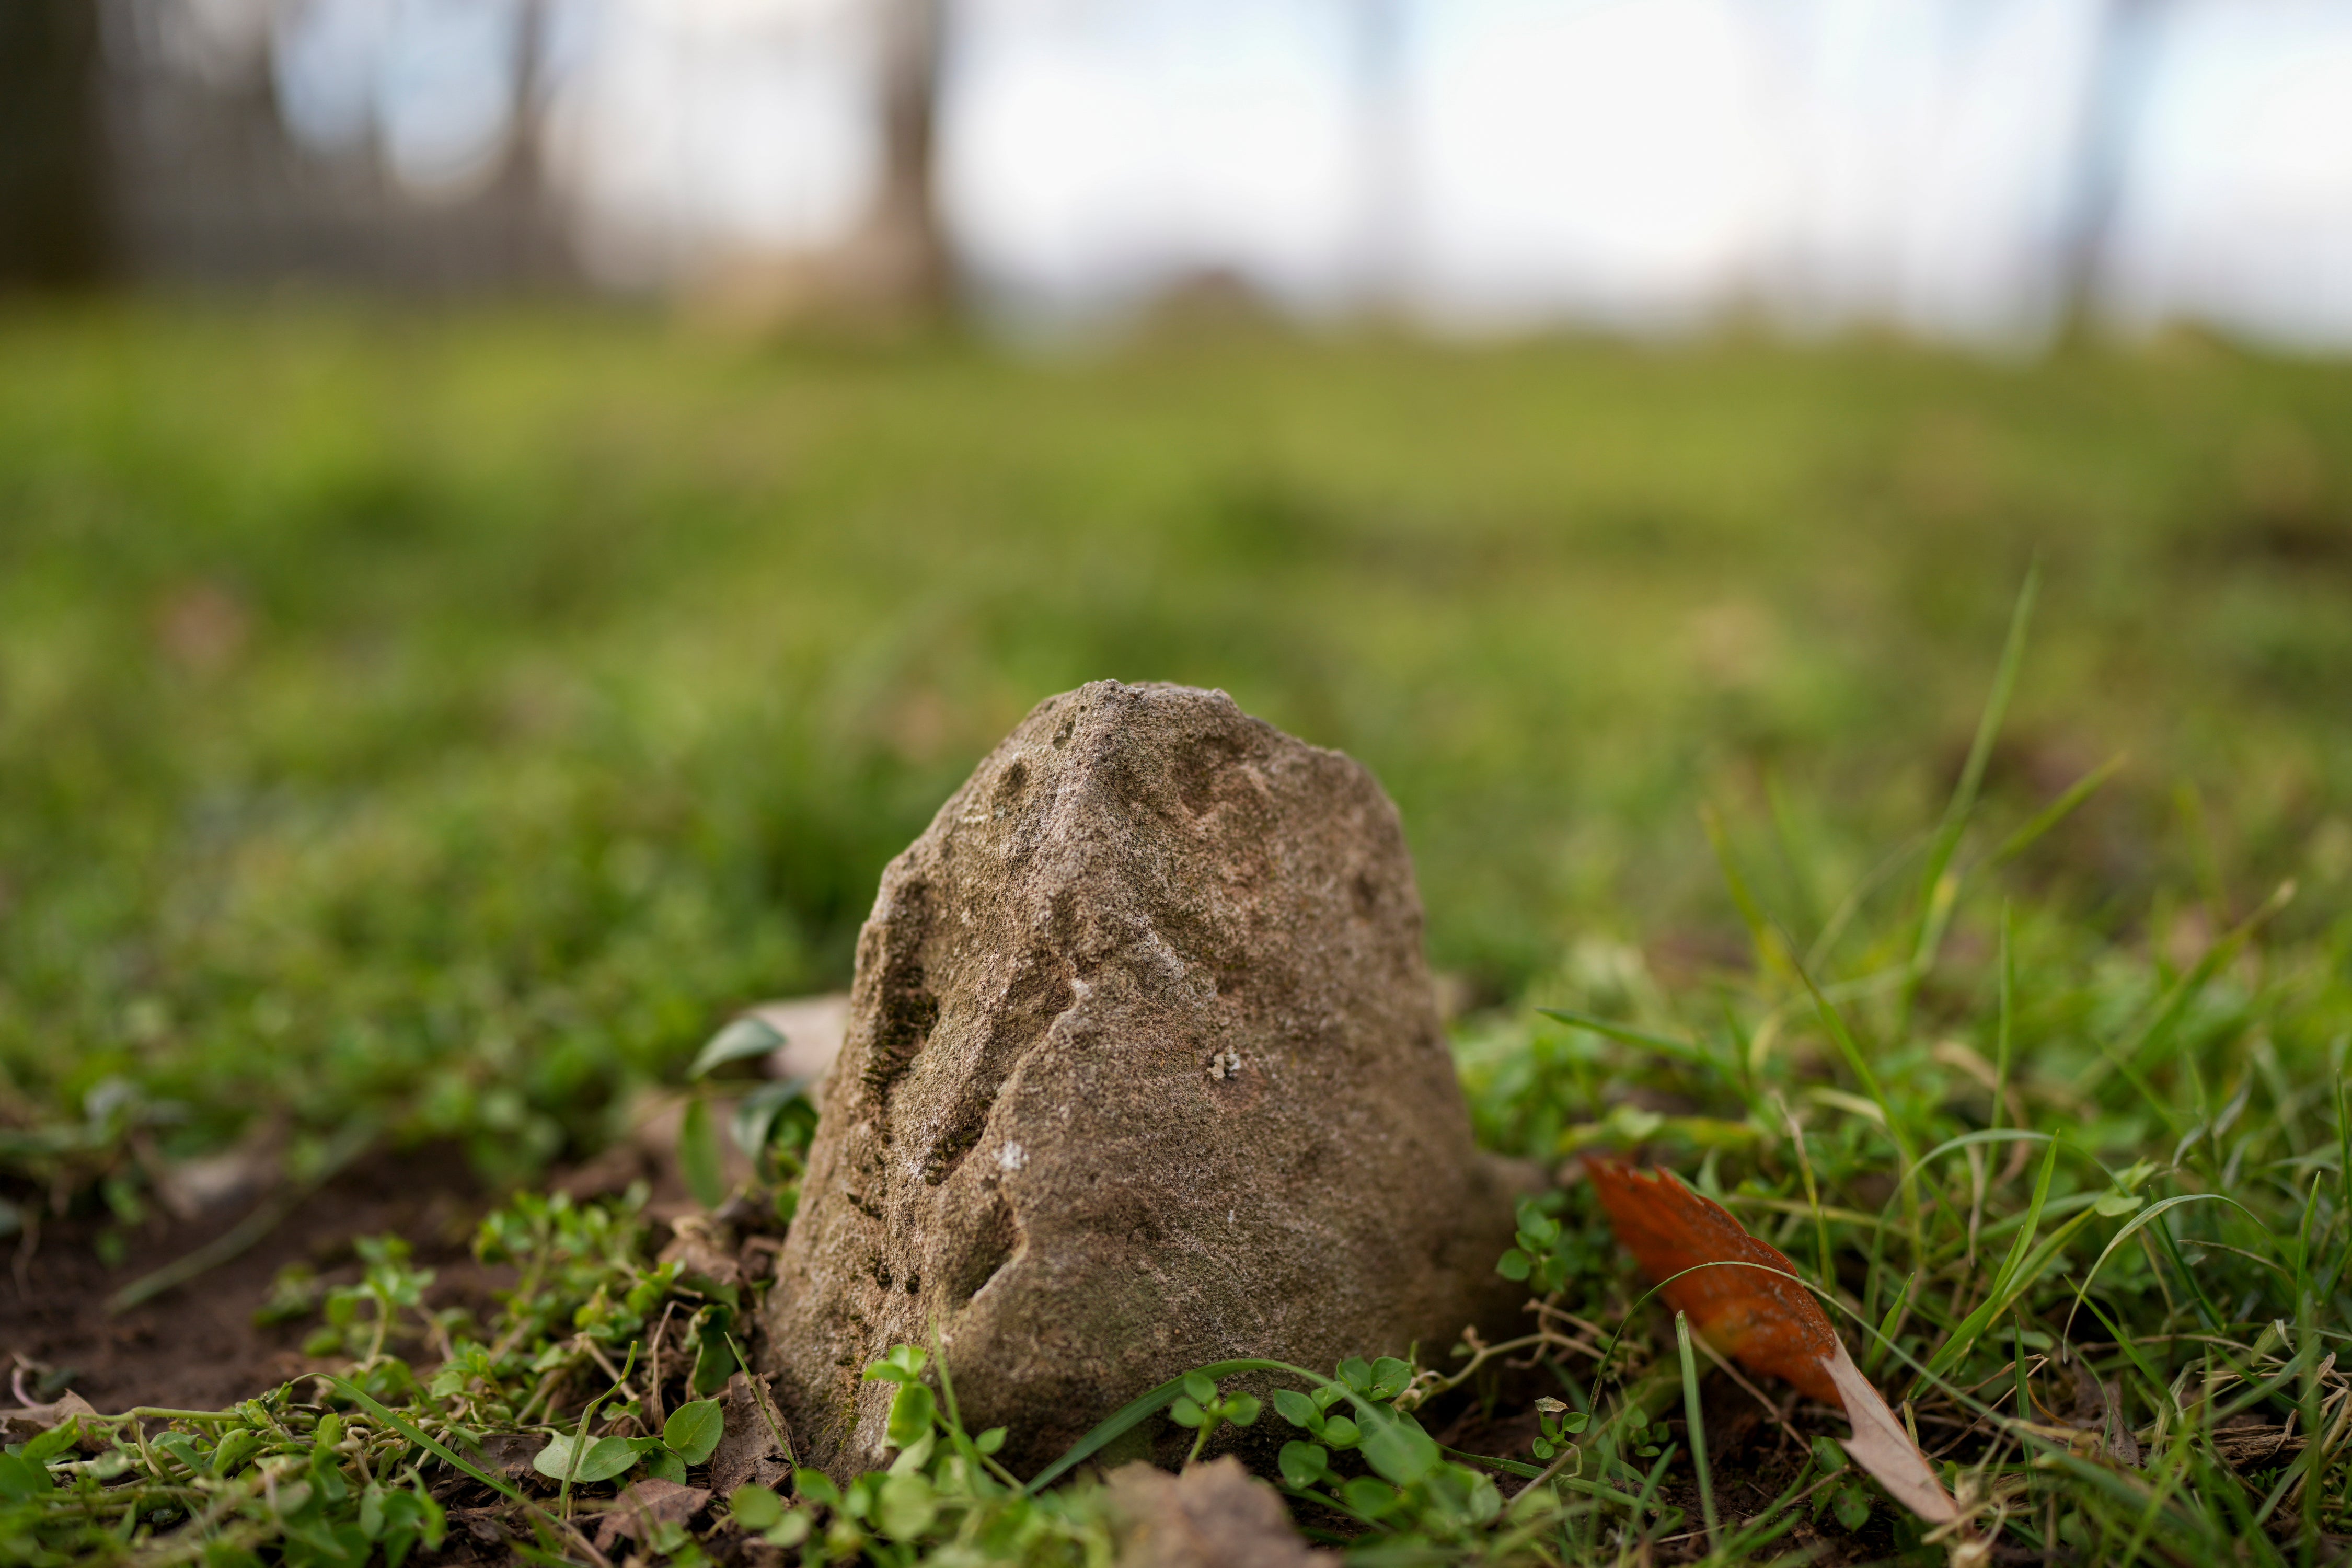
(1142,1072)
(1215,1515)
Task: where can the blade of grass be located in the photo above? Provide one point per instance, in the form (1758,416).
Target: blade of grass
(2326,1289)
(1812,1193)
(2009,1135)
(2308,1480)
(1850,1048)
(1878,876)
(2005,1034)
(1508,1466)
(1680,1050)
(768,1418)
(1793,860)
(2168,1477)
(1694,1419)
(1938,889)
(417,1436)
(2130,1347)
(1773,954)
(2206,1309)
(2056,812)
(1765,1524)
(1648,1499)
(1889,1325)
(2144,1217)
(579,1438)
(2152,1035)
(1963,1339)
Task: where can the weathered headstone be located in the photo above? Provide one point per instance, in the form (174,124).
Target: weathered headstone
(1142,1072)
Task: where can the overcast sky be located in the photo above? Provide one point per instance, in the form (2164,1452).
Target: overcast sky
(1493,164)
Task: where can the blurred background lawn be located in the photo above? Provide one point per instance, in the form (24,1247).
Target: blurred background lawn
(447,716)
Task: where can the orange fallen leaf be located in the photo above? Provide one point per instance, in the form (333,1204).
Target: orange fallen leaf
(1757,1313)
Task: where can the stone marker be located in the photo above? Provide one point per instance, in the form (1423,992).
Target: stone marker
(1142,1072)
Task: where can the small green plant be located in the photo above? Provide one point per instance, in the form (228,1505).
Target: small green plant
(942,1499)
(1548,1254)
(361,1318)
(687,1438)
(1412,1494)
(1556,1427)
(1202,1407)
(1849,1496)
(1304,1464)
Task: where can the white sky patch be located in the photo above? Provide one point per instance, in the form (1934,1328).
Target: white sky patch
(2238,207)
(1095,148)
(1932,153)
(1587,159)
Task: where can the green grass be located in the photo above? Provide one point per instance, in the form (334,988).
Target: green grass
(448,719)
(2019,1151)
(432,726)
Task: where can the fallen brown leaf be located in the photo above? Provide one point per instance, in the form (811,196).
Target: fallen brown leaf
(29,1421)
(647,1503)
(511,1452)
(1754,1311)
(702,1246)
(748,1452)
(1743,1297)
(1881,1446)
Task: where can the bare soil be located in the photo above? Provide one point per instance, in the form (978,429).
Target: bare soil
(197,1347)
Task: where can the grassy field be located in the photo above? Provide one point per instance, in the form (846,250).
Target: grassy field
(430,727)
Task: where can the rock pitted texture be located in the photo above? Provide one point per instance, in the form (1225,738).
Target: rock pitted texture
(1142,1072)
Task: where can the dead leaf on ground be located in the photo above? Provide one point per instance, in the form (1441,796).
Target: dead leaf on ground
(2254,1441)
(1880,1445)
(2123,1444)
(748,1452)
(509,1454)
(645,1504)
(29,1421)
(481,1523)
(1751,1307)
(2098,1407)
(1756,1312)
(702,1246)
(192,1189)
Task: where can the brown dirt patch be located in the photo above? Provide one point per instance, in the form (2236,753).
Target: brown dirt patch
(197,1347)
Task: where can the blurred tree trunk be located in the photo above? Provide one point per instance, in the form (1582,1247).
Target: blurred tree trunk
(900,261)
(53,165)
(2112,96)
(1377,46)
